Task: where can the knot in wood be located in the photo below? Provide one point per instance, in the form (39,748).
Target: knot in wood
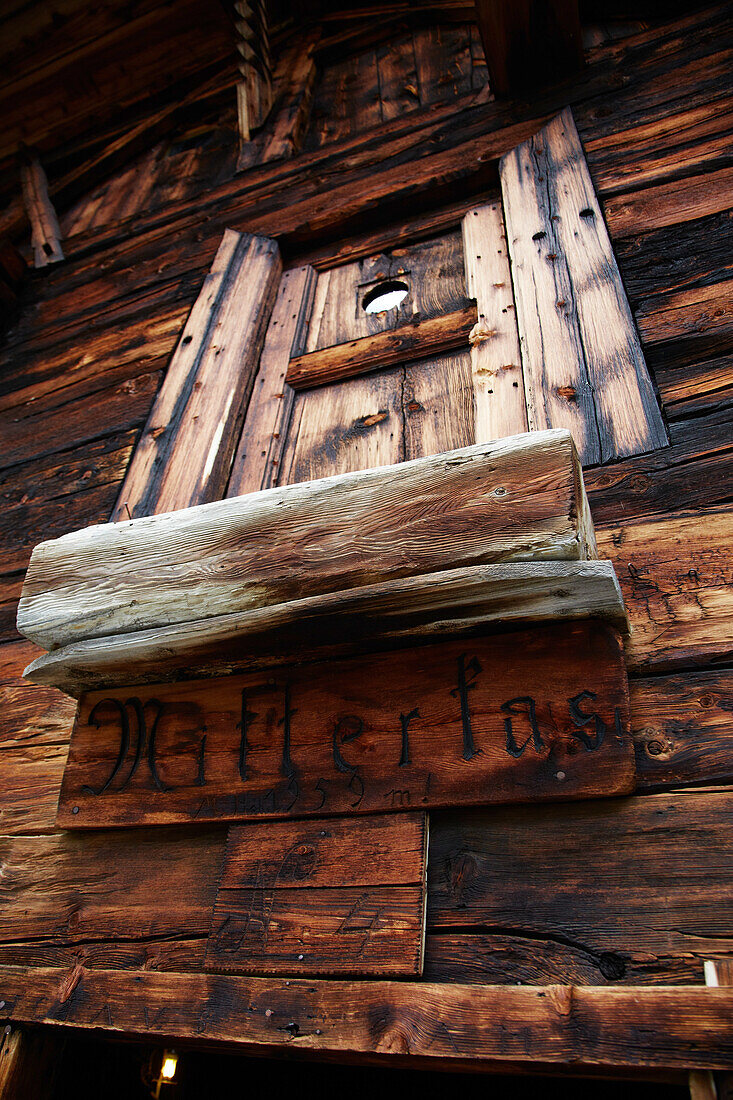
(479,333)
(561,998)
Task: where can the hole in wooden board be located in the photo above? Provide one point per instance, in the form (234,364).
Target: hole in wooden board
(387,295)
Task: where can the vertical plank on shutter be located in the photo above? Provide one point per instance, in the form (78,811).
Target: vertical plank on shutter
(184,455)
(347,426)
(259,453)
(583,364)
(496,367)
(438,405)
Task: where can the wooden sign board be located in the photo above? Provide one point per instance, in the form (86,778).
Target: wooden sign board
(324,896)
(540,714)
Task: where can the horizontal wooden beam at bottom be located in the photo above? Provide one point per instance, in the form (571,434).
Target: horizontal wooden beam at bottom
(393,613)
(676,1027)
(423,337)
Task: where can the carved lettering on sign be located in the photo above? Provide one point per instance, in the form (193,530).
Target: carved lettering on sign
(514,718)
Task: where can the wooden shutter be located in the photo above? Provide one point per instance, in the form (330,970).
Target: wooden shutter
(582,359)
(184,455)
(367,389)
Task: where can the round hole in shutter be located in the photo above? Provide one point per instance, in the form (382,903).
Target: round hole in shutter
(387,295)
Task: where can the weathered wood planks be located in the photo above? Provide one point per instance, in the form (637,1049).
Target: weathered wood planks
(630,891)
(517,499)
(432,1024)
(257,460)
(322,897)
(459,602)
(630,883)
(496,364)
(583,364)
(675,574)
(528,716)
(421,338)
(201,403)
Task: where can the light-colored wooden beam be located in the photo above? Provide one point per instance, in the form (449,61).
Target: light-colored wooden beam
(518,499)
(457,602)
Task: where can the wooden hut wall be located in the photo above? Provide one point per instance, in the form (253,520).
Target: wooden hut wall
(603,893)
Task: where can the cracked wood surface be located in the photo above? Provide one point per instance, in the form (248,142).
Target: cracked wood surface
(520,498)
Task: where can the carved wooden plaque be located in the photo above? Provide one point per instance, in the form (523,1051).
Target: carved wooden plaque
(325,896)
(539,714)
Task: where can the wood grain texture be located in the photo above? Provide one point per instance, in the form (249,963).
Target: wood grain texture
(201,404)
(432,1024)
(30,1060)
(456,602)
(523,717)
(628,883)
(669,203)
(683,729)
(423,338)
(517,499)
(124,886)
(258,457)
(345,427)
(675,576)
(437,404)
(583,364)
(496,363)
(322,897)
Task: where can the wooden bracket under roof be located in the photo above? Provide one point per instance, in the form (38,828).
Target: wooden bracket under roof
(45,231)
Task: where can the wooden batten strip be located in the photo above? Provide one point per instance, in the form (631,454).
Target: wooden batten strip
(674,1027)
(584,368)
(426,337)
(257,460)
(201,403)
(519,499)
(496,364)
(398,612)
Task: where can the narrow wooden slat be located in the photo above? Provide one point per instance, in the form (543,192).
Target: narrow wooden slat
(200,405)
(530,716)
(520,498)
(583,364)
(433,1024)
(258,456)
(399,612)
(426,337)
(496,364)
(323,897)
(30,1063)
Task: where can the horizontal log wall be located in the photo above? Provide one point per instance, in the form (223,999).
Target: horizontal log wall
(82,368)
